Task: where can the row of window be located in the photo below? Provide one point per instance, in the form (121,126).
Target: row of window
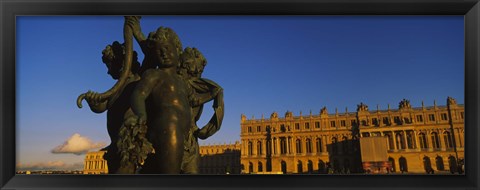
(345,146)
(400,142)
(322,166)
(374,121)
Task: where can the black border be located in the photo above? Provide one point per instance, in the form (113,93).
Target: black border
(9,9)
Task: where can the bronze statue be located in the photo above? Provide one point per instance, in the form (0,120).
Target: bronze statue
(118,105)
(152,119)
(191,68)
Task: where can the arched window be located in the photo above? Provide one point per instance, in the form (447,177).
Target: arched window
(448,139)
(319,145)
(435,140)
(390,141)
(310,166)
(410,142)
(423,140)
(439,163)
(260,167)
(392,162)
(402,162)
(283,146)
(250,148)
(298,146)
(259,148)
(299,167)
(427,165)
(284,167)
(400,141)
(308,143)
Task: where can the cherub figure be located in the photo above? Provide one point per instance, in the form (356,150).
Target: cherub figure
(191,67)
(118,105)
(161,100)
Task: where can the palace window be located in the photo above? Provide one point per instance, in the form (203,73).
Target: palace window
(396,119)
(309,146)
(317,124)
(390,141)
(400,141)
(307,125)
(431,117)
(250,148)
(298,143)
(259,148)
(423,140)
(259,129)
(435,140)
(332,123)
(419,118)
(249,129)
(297,126)
(444,116)
(410,142)
(283,146)
(342,123)
(282,128)
(319,145)
(374,121)
(461,115)
(448,139)
(385,120)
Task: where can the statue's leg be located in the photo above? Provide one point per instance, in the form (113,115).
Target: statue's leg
(169,148)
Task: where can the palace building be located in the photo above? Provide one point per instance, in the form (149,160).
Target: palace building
(416,140)
(220,159)
(94,163)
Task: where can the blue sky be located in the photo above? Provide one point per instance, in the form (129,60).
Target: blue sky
(264,64)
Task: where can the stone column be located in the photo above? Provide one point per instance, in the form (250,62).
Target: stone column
(459,138)
(442,140)
(405,140)
(303,144)
(394,137)
(429,139)
(324,143)
(289,141)
(255,141)
(417,146)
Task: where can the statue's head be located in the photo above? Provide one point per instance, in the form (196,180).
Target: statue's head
(164,47)
(113,56)
(192,62)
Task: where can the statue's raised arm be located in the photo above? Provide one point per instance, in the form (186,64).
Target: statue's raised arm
(127,62)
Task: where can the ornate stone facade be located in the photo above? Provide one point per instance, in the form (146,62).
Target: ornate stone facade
(419,139)
(94,163)
(220,159)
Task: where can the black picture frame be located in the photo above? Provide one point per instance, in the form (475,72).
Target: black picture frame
(10,9)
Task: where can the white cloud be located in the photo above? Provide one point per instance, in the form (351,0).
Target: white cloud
(77,145)
(52,165)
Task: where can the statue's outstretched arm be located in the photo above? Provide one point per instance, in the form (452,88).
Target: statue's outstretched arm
(141,92)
